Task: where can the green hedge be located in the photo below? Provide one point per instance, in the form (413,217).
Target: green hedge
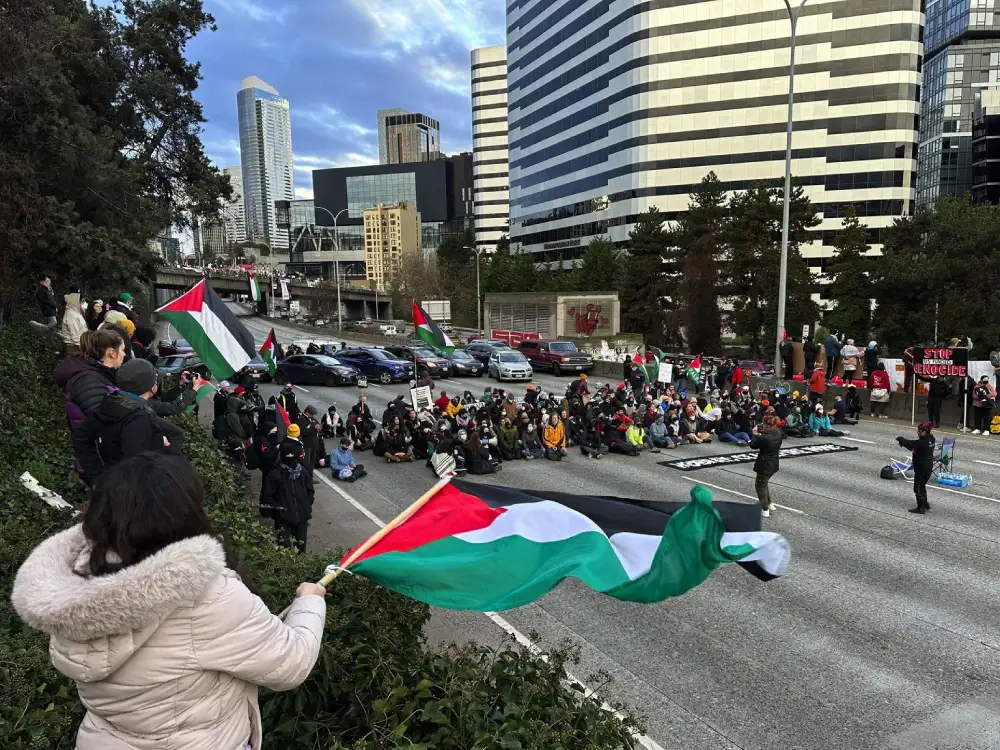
(375,686)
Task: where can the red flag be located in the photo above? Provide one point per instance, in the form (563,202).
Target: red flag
(282,413)
(637,359)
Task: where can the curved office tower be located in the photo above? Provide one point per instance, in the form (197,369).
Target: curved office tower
(617,106)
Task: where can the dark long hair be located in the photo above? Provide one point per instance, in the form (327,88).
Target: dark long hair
(141,505)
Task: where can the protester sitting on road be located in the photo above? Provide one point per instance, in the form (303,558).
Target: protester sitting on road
(476,454)
(694,429)
(767,442)
(123,425)
(332,425)
(840,415)
(554,439)
(591,442)
(442,401)
(728,431)
(423,440)
(396,449)
(509,441)
(360,429)
(533,447)
(819,424)
(152,619)
(796,425)
(342,463)
(659,434)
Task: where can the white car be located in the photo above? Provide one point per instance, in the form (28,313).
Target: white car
(509,364)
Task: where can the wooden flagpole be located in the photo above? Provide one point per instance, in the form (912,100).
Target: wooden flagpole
(375,538)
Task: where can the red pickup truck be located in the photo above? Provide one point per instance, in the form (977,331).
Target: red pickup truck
(559,356)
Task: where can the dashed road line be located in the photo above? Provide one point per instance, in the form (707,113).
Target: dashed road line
(741,494)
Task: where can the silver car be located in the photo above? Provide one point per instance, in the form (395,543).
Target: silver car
(508,364)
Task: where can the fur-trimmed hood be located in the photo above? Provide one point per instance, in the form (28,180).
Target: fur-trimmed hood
(53,594)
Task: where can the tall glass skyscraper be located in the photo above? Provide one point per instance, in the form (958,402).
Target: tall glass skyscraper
(961,60)
(615,107)
(266,159)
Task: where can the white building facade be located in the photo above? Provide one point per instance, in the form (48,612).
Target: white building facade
(617,106)
(266,160)
(234,216)
(489,145)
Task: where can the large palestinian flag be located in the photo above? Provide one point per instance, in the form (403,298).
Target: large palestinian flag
(267,353)
(429,332)
(487,548)
(212,330)
(255,293)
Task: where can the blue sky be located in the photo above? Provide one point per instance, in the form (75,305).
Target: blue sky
(338,61)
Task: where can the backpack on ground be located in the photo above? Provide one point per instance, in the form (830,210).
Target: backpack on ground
(887,472)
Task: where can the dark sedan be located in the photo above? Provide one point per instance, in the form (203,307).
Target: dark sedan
(177,346)
(464,364)
(316,369)
(258,370)
(175,364)
(428,361)
(483,350)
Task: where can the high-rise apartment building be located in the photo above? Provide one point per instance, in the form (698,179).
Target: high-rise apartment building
(615,107)
(961,60)
(489,145)
(266,159)
(410,137)
(234,213)
(391,233)
(383,143)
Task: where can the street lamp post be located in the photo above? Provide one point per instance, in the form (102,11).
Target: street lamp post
(336,264)
(793,19)
(479,306)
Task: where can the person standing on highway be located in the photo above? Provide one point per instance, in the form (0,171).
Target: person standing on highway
(923,464)
(767,440)
(286,398)
(852,358)
(831,348)
(817,386)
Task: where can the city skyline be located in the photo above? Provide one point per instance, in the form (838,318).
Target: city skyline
(413,57)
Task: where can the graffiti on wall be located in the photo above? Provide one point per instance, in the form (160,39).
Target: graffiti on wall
(588,319)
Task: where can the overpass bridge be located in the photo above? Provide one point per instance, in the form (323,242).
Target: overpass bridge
(319,300)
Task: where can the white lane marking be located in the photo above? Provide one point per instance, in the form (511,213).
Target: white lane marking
(741,494)
(642,739)
(301,388)
(987,463)
(859,440)
(453,382)
(958,492)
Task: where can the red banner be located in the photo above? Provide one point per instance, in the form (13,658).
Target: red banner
(513,338)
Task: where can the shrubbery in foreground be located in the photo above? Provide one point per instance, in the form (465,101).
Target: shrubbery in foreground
(375,685)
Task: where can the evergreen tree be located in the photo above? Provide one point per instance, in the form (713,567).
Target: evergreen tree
(851,286)
(600,269)
(101,144)
(642,297)
(699,241)
(753,267)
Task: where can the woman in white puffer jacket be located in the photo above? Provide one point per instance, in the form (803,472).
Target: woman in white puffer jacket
(166,643)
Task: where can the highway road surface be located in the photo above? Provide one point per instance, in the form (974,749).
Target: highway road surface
(884,634)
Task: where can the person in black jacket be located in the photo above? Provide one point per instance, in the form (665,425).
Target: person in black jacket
(124,425)
(47,301)
(937,392)
(286,397)
(923,464)
(310,428)
(809,352)
(768,444)
(287,496)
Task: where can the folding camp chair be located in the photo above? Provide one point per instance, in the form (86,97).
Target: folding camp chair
(944,458)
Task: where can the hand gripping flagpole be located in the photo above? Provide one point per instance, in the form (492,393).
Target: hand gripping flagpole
(335,570)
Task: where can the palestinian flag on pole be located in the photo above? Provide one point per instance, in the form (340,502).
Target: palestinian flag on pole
(693,371)
(212,330)
(657,354)
(485,547)
(205,389)
(637,358)
(267,350)
(429,332)
(255,293)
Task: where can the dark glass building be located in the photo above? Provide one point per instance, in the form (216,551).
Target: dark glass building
(440,189)
(961,58)
(986,147)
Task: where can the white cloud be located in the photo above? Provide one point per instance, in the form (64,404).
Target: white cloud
(417,23)
(445,75)
(331,121)
(303,193)
(307,163)
(255,11)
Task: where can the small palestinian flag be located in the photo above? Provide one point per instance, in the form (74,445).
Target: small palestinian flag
(212,330)
(637,358)
(487,548)
(693,371)
(205,389)
(255,293)
(267,350)
(657,353)
(428,331)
